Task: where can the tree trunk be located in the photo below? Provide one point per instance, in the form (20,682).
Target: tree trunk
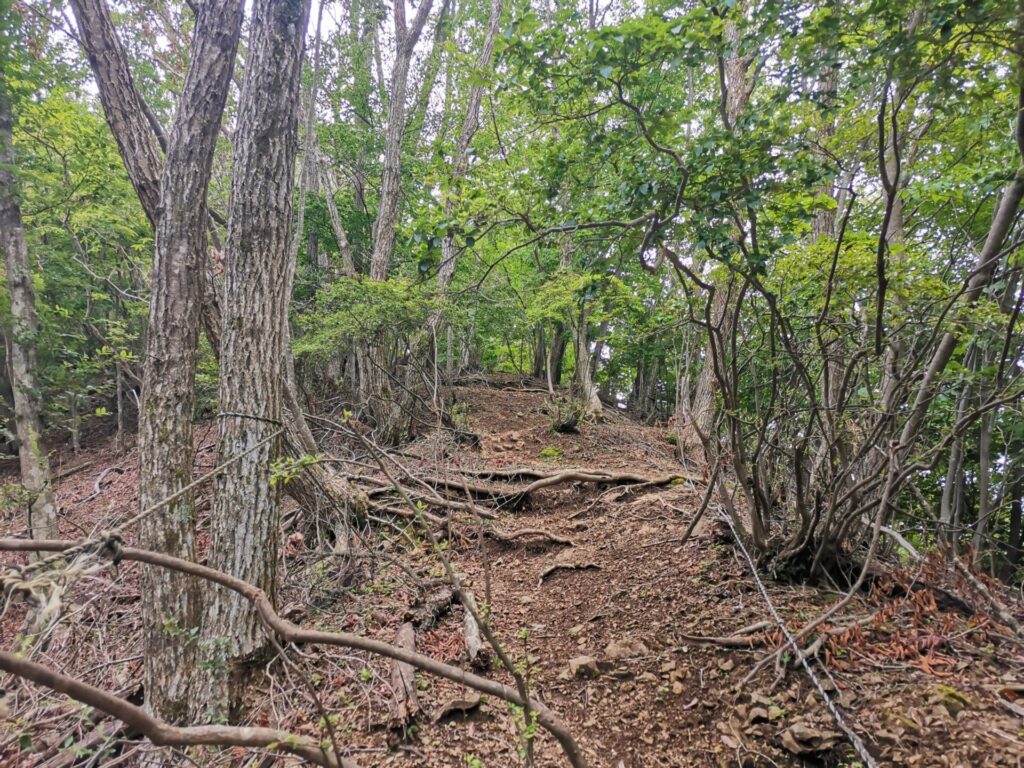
(173,608)
(538,369)
(387,406)
(35,465)
(244,521)
(124,110)
(737,87)
(460,163)
(391,176)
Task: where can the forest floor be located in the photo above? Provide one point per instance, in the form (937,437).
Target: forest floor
(610,641)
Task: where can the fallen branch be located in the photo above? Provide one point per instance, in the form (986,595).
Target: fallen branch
(741,638)
(98,485)
(291,633)
(475,648)
(426,611)
(164,735)
(69,472)
(1004,615)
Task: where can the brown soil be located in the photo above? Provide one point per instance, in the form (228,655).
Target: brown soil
(930,681)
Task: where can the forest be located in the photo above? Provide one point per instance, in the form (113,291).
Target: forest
(512,383)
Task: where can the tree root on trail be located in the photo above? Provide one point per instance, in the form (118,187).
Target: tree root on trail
(507,537)
(478,500)
(745,637)
(566,567)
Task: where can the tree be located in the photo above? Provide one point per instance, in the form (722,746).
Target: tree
(244,519)
(174,610)
(41,517)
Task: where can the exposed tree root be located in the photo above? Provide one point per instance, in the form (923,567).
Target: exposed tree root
(565,567)
(511,536)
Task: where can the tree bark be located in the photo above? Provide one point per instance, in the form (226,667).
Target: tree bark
(318,482)
(460,162)
(244,523)
(122,105)
(41,519)
(173,609)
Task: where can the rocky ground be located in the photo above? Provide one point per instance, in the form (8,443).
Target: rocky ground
(642,643)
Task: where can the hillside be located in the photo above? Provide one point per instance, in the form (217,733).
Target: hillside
(641,643)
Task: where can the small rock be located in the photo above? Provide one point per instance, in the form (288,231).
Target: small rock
(727,665)
(648,677)
(625,648)
(678,688)
(584,666)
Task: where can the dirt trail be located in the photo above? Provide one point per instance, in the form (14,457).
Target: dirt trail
(658,699)
(608,644)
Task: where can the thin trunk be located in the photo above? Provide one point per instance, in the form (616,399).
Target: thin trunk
(981,277)
(308,176)
(737,87)
(538,369)
(41,518)
(418,115)
(986,508)
(244,521)
(386,403)
(460,163)
(348,264)
(391,176)
(953,485)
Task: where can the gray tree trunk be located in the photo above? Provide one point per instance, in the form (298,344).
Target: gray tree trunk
(41,518)
(257,276)
(319,484)
(173,609)
(391,176)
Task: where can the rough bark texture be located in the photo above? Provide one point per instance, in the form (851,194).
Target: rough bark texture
(124,110)
(173,609)
(244,523)
(318,483)
(35,466)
